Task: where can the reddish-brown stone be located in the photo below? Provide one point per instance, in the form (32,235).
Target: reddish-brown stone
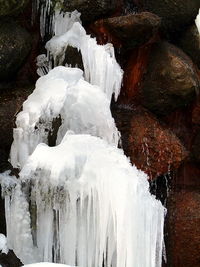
(183,239)
(148,143)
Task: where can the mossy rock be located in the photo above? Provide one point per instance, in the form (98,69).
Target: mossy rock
(12,7)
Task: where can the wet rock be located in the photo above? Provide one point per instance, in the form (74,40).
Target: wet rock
(149,144)
(171,81)
(11,101)
(12,7)
(183,239)
(73,58)
(175,14)
(9,260)
(15,44)
(190,43)
(90,9)
(196,148)
(196,113)
(134,29)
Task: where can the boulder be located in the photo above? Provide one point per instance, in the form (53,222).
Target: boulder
(90,9)
(190,43)
(149,144)
(134,29)
(183,231)
(12,7)
(175,14)
(15,44)
(170,81)
(11,101)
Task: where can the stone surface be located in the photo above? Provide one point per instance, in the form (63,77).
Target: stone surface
(196,147)
(175,14)
(11,101)
(148,143)
(190,43)
(9,260)
(12,7)
(73,58)
(183,238)
(134,29)
(170,81)
(15,44)
(91,9)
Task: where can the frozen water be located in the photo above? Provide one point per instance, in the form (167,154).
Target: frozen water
(80,202)
(3,244)
(88,206)
(83,108)
(47,264)
(197,21)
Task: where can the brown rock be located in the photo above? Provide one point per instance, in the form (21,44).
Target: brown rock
(150,146)
(175,14)
(183,239)
(134,29)
(171,80)
(190,43)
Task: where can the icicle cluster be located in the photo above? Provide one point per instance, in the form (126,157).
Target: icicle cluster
(80,202)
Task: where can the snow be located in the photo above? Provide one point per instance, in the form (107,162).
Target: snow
(3,244)
(197,21)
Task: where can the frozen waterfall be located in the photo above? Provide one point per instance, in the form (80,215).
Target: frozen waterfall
(79,202)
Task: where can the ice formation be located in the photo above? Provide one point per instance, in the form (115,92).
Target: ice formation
(197,21)
(46,264)
(88,206)
(3,244)
(82,107)
(79,202)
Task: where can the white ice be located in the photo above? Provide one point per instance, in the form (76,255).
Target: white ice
(89,206)
(46,264)
(3,244)
(82,107)
(197,21)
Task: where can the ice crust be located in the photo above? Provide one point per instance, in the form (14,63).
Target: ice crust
(79,202)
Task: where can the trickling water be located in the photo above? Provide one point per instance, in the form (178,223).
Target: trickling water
(81,202)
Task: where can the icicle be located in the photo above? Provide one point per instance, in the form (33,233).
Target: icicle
(197,21)
(99,202)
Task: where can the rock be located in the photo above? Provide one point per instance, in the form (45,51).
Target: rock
(9,260)
(90,9)
(12,7)
(11,101)
(196,112)
(183,237)
(190,43)
(170,82)
(196,147)
(175,14)
(134,29)
(149,144)
(73,58)
(15,44)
